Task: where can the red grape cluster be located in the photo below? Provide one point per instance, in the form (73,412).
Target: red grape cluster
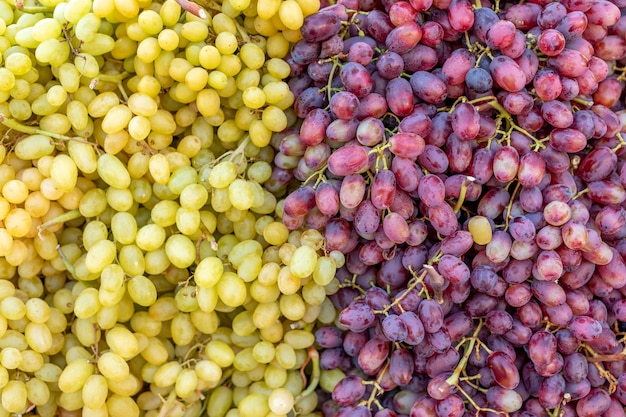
(467,160)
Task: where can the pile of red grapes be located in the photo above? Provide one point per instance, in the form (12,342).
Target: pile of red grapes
(467,159)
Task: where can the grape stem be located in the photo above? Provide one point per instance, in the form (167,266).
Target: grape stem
(108,78)
(463,192)
(32,130)
(193,8)
(65,217)
(437,282)
(315,374)
(68,265)
(621,143)
(509,206)
(453,379)
(168,405)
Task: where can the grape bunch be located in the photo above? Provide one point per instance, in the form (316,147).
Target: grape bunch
(144,267)
(467,158)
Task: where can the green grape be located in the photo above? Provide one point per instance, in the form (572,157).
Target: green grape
(142,290)
(281,401)
(253,405)
(112,366)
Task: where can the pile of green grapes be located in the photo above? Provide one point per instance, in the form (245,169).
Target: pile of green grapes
(144,268)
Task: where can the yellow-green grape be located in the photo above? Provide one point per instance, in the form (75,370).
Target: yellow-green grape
(253,405)
(303,261)
(324,272)
(208,272)
(281,401)
(74,375)
(95,391)
(112,366)
(100,255)
(285,355)
(142,290)
(220,353)
(14,397)
(231,289)
(220,401)
(480,228)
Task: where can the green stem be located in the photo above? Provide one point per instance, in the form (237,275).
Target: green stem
(453,380)
(65,217)
(315,374)
(462,194)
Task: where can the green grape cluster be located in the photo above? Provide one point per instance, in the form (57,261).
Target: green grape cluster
(144,268)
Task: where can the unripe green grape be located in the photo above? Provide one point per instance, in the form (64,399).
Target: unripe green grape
(87,27)
(155,353)
(47,28)
(132,260)
(87,65)
(182,329)
(303,261)
(112,366)
(186,299)
(187,220)
(250,267)
(107,317)
(12,308)
(150,22)
(164,213)
(266,314)
(231,289)
(180,250)
(142,291)
(168,40)
(100,255)
(122,405)
(142,104)
(292,306)
(14,397)
(87,303)
(182,177)
(240,194)
(220,353)
(102,104)
(95,391)
(220,401)
(159,168)
(112,171)
(74,375)
(128,8)
(207,299)
(37,391)
(10,358)
(208,371)
(18,63)
(150,237)
(281,401)
(253,405)
(147,51)
(209,57)
(186,383)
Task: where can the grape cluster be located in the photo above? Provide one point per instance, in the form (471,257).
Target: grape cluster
(144,267)
(467,159)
